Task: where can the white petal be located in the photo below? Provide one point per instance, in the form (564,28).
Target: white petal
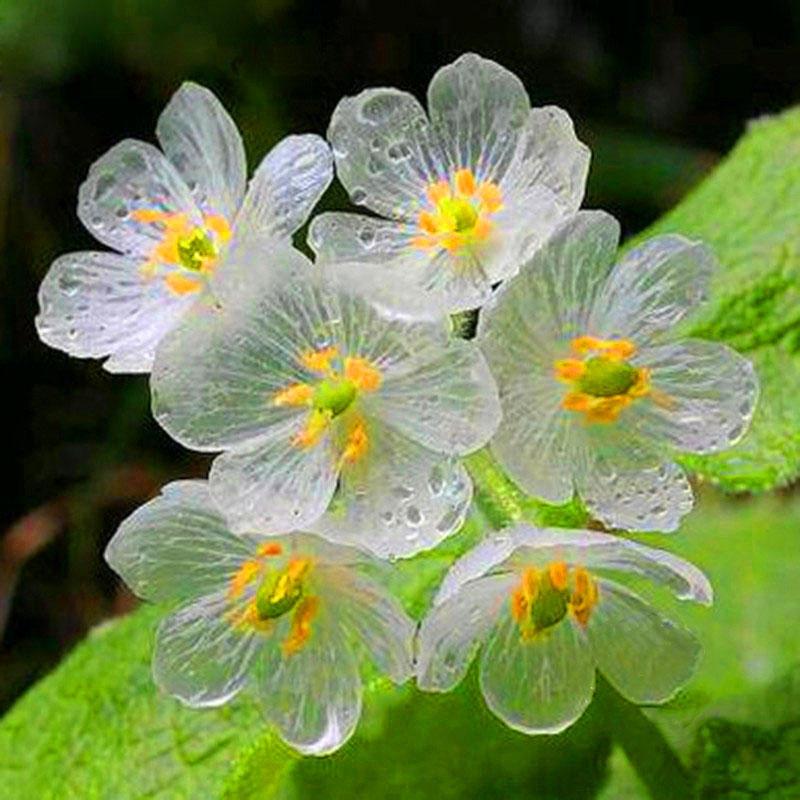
(384,151)
(200,658)
(597,551)
(314,695)
(286,187)
(336,236)
(177,546)
(272,485)
(540,686)
(99,304)
(650,499)
(374,619)
(454,629)
(132,176)
(709,393)
(645,656)
(448,404)
(654,286)
(549,157)
(478,110)
(201,140)
(400,498)
(549,301)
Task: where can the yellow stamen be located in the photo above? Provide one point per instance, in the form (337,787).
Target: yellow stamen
(319,360)
(245,575)
(270,549)
(300,631)
(585,596)
(316,425)
(459,215)
(299,394)
(182,284)
(356,446)
(365,377)
(569,369)
(558,573)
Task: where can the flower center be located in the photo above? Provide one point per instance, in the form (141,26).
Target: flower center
(458,215)
(602,382)
(281,590)
(338,383)
(543,597)
(189,253)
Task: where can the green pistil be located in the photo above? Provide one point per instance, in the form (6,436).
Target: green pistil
(549,607)
(462,212)
(334,395)
(605,377)
(272,603)
(195,248)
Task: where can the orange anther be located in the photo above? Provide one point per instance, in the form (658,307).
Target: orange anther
(362,373)
(465,182)
(558,573)
(298,394)
(182,284)
(300,631)
(490,196)
(270,549)
(569,369)
(319,360)
(438,191)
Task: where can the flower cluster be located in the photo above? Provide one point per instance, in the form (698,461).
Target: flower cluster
(341,402)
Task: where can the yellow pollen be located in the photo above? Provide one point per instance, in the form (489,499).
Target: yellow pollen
(245,575)
(316,425)
(460,215)
(300,631)
(319,360)
(602,384)
(356,445)
(299,394)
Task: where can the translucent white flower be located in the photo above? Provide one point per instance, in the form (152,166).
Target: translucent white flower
(170,217)
(319,382)
(598,388)
(547,607)
(468,189)
(292,614)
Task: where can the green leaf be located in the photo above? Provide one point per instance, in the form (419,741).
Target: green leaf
(748,211)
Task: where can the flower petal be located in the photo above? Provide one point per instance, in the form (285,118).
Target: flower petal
(272,484)
(400,498)
(478,110)
(132,176)
(538,686)
(201,140)
(200,658)
(177,546)
(645,656)
(314,695)
(98,304)
(654,287)
(453,630)
(448,403)
(385,154)
(654,498)
(548,157)
(336,236)
(531,318)
(710,393)
(372,617)
(286,187)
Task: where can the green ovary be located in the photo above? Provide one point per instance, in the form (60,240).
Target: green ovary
(463,214)
(549,608)
(195,249)
(277,595)
(334,395)
(605,377)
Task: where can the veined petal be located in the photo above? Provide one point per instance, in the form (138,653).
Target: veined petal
(549,155)
(314,695)
(99,304)
(201,140)
(200,657)
(448,404)
(453,630)
(336,236)
(286,187)
(552,294)
(710,394)
(538,686)
(478,110)
(273,484)
(132,176)
(177,546)
(385,153)
(372,617)
(654,498)
(400,498)
(645,656)
(654,286)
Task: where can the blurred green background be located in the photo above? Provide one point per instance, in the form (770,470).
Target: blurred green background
(659,90)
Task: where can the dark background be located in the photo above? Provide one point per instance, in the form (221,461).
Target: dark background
(659,90)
